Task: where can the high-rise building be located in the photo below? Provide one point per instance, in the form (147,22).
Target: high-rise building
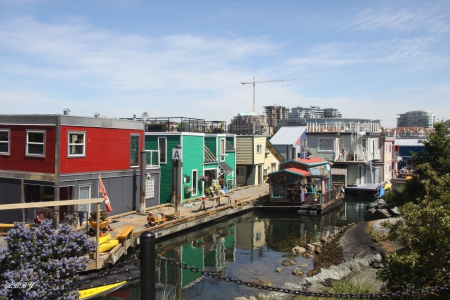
(275,113)
(416,118)
(249,123)
(314,112)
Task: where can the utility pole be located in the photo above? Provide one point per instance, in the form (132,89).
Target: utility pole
(253,82)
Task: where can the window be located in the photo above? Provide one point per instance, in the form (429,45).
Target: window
(4,141)
(35,143)
(222,150)
(149,187)
(77,144)
(134,150)
(274,167)
(326,144)
(240,172)
(84,192)
(258,148)
(162,147)
(194,182)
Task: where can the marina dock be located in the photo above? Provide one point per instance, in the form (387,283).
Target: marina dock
(194,213)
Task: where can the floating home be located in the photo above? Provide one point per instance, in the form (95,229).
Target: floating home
(305,183)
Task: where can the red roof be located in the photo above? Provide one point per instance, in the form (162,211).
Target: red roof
(298,171)
(311,160)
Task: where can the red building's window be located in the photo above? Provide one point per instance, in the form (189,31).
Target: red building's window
(35,143)
(77,144)
(4,141)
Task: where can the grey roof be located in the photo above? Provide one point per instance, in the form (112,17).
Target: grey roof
(288,135)
(409,142)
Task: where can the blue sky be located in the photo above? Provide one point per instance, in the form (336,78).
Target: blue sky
(369,59)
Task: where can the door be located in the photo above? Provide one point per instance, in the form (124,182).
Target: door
(84,192)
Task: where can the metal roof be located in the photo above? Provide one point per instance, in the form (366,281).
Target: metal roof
(288,135)
(409,142)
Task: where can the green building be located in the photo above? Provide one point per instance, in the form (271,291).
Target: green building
(206,150)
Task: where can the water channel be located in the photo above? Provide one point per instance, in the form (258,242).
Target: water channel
(249,246)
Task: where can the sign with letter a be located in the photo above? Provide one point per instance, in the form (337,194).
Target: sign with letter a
(176,153)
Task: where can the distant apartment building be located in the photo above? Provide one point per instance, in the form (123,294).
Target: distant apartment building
(313,112)
(249,123)
(275,113)
(416,118)
(412,132)
(447,124)
(328,122)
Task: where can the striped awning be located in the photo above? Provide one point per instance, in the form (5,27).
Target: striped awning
(338,171)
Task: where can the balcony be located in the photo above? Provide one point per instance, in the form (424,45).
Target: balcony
(181,124)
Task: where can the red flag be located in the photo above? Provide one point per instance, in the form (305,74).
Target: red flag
(101,189)
(297,142)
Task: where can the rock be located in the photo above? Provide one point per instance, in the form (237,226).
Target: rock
(298,250)
(297,272)
(318,250)
(317,244)
(310,248)
(261,296)
(372,205)
(376,214)
(240,298)
(378,265)
(252,298)
(288,262)
(307,256)
(278,270)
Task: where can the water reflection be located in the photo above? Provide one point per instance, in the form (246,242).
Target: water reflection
(248,247)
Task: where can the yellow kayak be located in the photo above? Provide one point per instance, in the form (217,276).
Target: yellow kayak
(104,239)
(387,185)
(100,291)
(106,246)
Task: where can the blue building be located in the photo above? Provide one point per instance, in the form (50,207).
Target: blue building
(404,149)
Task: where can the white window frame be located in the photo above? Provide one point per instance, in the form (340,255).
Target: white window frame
(259,148)
(222,149)
(160,152)
(7,142)
(194,182)
(87,204)
(35,143)
(325,150)
(69,144)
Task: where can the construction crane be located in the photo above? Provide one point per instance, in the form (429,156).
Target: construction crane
(253,82)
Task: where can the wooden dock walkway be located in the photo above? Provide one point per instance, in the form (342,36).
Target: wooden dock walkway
(128,227)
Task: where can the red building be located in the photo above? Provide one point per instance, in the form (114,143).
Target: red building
(60,157)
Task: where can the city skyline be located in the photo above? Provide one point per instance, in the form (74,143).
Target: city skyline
(371,59)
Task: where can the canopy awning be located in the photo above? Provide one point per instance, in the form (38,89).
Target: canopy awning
(225,167)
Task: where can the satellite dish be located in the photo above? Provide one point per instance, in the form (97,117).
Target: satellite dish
(145,116)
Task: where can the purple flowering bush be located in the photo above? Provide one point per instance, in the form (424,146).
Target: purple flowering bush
(42,263)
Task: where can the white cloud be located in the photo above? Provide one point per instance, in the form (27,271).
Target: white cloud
(432,16)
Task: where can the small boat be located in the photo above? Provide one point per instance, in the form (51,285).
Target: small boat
(100,291)
(106,246)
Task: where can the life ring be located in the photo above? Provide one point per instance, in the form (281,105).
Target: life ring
(38,219)
(402,171)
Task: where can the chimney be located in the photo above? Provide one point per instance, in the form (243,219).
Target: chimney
(66,111)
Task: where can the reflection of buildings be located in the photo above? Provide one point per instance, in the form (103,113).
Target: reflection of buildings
(211,252)
(251,235)
(212,248)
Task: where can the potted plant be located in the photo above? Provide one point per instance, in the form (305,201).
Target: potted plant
(208,190)
(222,182)
(187,191)
(204,178)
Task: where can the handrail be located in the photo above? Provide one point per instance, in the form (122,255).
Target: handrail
(49,203)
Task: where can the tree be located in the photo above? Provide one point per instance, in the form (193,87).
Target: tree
(42,263)
(424,230)
(437,152)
